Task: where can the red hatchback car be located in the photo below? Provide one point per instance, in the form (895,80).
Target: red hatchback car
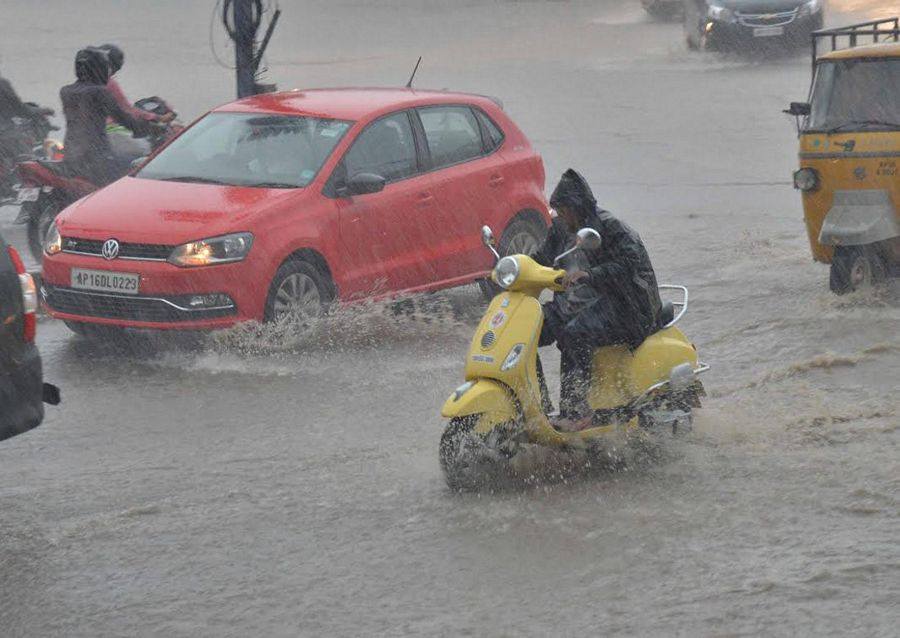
(276,205)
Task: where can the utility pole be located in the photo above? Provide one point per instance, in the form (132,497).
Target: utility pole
(244,41)
(242,19)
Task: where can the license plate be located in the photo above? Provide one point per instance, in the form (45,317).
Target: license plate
(767,32)
(28,195)
(106,281)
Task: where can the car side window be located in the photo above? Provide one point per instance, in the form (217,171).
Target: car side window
(386,147)
(494,134)
(452,134)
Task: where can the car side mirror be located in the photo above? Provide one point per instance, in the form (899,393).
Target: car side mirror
(588,239)
(362,184)
(799,109)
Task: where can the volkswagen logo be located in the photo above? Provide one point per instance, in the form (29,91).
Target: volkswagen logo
(110,249)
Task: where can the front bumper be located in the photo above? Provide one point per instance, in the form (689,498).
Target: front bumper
(163,299)
(742,32)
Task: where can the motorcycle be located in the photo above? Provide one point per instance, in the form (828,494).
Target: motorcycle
(50,185)
(499,409)
(24,139)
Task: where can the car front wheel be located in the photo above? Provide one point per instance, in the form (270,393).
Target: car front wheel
(521,237)
(299,292)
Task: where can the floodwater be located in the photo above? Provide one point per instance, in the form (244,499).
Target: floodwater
(275,485)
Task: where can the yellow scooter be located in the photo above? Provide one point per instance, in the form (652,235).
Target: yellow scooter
(499,407)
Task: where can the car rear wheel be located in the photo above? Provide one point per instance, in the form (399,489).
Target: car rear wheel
(856,268)
(521,237)
(299,293)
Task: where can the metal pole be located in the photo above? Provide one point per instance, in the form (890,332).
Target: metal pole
(244,36)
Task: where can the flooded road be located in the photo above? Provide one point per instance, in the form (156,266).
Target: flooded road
(265,484)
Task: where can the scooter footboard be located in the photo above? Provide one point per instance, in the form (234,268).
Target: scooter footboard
(489,399)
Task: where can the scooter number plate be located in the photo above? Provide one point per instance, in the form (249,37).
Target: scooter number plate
(28,195)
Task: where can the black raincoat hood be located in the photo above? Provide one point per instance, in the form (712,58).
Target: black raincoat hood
(573,192)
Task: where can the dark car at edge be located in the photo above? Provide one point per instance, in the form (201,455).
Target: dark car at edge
(22,388)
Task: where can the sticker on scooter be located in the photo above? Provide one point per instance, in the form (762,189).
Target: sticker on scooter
(498,319)
(482,358)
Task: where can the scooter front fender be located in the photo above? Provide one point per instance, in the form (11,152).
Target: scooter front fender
(485,397)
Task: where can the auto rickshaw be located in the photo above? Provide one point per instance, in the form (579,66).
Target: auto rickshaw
(849,134)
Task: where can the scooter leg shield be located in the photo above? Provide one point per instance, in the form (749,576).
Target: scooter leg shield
(484,397)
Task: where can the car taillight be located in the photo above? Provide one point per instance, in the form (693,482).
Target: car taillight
(29,296)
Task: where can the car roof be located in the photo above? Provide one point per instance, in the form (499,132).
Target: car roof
(348,103)
(882,50)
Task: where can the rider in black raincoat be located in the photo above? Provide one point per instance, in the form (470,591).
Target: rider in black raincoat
(87,104)
(611,295)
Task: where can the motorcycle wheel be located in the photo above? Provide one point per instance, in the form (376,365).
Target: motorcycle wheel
(460,455)
(855,268)
(40,215)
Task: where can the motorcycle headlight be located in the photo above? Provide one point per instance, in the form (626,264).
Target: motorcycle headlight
(506,272)
(722,14)
(53,241)
(806,179)
(215,250)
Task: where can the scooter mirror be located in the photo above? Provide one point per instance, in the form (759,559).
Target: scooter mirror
(487,236)
(588,239)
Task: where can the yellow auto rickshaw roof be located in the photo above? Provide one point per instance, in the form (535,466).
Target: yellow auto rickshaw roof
(880,50)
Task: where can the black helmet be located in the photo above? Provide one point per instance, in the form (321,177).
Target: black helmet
(91,66)
(115,55)
(573,192)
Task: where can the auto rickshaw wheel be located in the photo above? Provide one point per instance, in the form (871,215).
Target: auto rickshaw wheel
(856,268)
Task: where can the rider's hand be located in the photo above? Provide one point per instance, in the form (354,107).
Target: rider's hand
(168,117)
(574,277)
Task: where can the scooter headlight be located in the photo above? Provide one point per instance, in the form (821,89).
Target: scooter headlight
(53,241)
(806,179)
(506,272)
(512,359)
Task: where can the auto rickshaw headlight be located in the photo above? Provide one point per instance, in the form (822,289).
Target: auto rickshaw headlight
(506,271)
(806,179)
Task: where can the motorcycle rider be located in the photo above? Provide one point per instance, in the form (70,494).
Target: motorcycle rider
(86,105)
(611,294)
(116,58)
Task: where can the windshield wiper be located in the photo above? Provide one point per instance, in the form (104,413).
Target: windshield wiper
(271,185)
(892,125)
(191,178)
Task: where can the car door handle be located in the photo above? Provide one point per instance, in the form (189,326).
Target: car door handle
(495,181)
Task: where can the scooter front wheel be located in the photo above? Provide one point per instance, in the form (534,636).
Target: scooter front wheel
(468,459)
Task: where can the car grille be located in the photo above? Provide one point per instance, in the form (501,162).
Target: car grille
(109,306)
(767,19)
(148,252)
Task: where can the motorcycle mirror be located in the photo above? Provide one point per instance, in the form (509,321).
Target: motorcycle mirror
(487,236)
(588,239)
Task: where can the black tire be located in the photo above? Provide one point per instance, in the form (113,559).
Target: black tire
(459,474)
(304,273)
(691,29)
(97,332)
(856,268)
(519,230)
(41,214)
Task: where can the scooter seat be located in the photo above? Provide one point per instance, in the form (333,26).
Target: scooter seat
(666,313)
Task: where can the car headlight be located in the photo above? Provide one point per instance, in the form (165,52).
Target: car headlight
(506,272)
(215,250)
(53,241)
(812,7)
(722,14)
(512,359)
(806,179)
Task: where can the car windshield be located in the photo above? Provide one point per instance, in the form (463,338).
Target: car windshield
(856,95)
(244,149)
